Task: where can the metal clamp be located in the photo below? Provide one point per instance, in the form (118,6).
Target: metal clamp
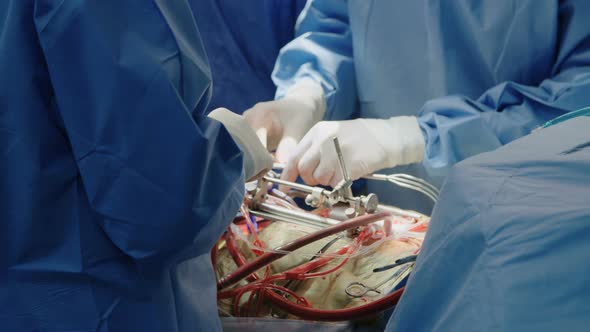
(316,197)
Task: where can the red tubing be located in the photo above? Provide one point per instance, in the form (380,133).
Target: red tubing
(267,258)
(238,257)
(295,272)
(354,313)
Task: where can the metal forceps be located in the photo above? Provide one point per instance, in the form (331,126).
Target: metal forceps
(357,289)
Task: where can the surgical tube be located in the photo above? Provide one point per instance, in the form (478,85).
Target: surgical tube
(269,257)
(237,256)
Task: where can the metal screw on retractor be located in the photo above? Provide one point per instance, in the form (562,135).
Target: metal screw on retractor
(370,203)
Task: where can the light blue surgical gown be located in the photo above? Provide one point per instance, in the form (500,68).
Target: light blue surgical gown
(477,74)
(113,184)
(507,248)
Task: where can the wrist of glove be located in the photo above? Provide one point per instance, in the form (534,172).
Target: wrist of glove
(399,137)
(367,145)
(282,123)
(309,95)
(256,160)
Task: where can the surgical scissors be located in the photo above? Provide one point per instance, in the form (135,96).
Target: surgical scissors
(357,289)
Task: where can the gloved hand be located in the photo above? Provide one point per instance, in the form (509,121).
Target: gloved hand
(367,145)
(257,161)
(280,124)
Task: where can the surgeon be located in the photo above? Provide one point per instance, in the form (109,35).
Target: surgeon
(114,183)
(420,85)
(242,40)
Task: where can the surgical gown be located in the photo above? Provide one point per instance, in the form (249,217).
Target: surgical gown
(114,186)
(242,40)
(477,74)
(507,248)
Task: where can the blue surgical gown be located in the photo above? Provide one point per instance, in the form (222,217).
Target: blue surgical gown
(114,185)
(507,248)
(477,74)
(242,40)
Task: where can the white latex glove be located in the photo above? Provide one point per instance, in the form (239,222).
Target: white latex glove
(367,145)
(257,161)
(280,124)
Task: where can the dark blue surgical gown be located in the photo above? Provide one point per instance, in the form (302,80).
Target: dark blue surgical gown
(113,184)
(242,40)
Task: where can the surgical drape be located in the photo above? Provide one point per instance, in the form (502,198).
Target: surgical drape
(507,245)
(114,184)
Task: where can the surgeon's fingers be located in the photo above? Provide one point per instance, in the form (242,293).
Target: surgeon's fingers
(329,169)
(266,123)
(285,149)
(291,170)
(323,176)
(290,173)
(306,156)
(335,179)
(308,164)
(262,134)
(324,173)
(275,132)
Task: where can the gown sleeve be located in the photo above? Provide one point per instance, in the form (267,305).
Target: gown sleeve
(130,80)
(456,127)
(322,51)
